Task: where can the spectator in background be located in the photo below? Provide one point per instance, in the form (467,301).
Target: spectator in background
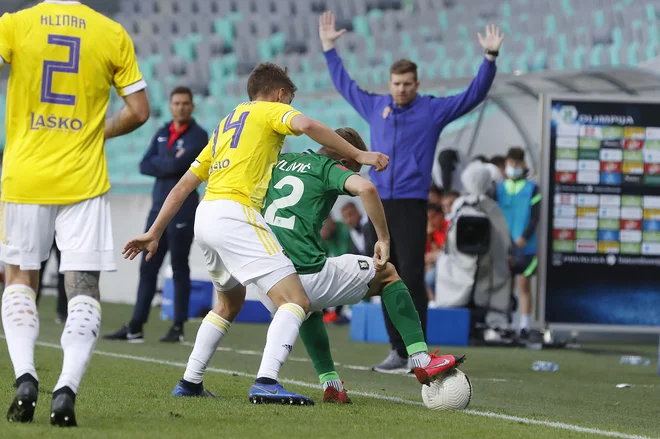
(436,235)
(447,202)
(174,147)
(435,195)
(519,200)
(499,161)
(337,241)
(355,222)
(406,126)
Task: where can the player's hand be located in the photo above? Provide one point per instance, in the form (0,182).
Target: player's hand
(376,159)
(137,245)
(492,40)
(521,242)
(327,31)
(381,255)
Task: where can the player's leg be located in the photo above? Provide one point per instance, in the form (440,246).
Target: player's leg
(213,328)
(396,299)
(525,290)
(27,234)
(317,343)
(84,236)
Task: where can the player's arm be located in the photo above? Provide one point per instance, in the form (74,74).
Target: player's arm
(130,85)
(6,39)
(131,117)
(149,240)
(359,186)
(324,135)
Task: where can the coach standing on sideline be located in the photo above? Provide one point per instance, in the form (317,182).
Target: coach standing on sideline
(406,126)
(172,150)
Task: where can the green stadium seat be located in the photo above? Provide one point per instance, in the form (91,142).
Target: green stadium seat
(264,50)
(631,54)
(650,12)
(562,43)
(654,34)
(443,20)
(550,25)
(651,51)
(559,61)
(505,10)
(278,42)
(577,58)
(614,59)
(406,40)
(361,26)
(540,60)
(599,18)
(617,36)
(595,55)
(567,8)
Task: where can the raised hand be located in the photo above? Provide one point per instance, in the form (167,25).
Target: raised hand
(493,38)
(140,243)
(381,255)
(327,31)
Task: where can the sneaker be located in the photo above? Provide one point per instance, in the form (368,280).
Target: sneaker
(24,404)
(184,388)
(330,394)
(393,363)
(275,393)
(174,335)
(125,334)
(438,365)
(62,412)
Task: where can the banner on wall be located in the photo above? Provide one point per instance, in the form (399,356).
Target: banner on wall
(600,260)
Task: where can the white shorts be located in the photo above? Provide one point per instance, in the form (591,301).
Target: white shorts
(83,232)
(344,280)
(239,247)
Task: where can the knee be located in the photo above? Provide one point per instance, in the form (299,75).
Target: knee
(390,275)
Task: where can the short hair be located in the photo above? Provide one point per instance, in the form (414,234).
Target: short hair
(267,78)
(451,194)
(403,66)
(480,158)
(516,154)
(349,204)
(498,160)
(436,190)
(181,90)
(352,137)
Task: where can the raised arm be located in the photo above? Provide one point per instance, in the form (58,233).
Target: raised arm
(446,110)
(362,101)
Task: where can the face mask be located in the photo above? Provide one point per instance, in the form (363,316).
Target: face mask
(513,173)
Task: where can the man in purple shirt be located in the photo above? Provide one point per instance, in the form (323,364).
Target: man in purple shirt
(406,126)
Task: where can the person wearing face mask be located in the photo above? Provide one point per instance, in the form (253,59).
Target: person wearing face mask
(519,200)
(406,125)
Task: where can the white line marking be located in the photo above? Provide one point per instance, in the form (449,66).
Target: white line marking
(550,424)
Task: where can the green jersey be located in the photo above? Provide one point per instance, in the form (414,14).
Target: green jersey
(303,188)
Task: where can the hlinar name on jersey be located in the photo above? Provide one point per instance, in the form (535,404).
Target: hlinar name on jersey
(56,123)
(63,20)
(219,165)
(293,167)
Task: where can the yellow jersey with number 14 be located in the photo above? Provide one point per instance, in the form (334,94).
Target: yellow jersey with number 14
(64,59)
(239,159)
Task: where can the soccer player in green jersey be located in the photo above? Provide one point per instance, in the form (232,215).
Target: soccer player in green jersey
(302,191)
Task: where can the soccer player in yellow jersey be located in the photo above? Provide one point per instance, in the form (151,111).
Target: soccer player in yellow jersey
(239,247)
(64,59)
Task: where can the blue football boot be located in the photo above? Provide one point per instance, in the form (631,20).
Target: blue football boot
(275,393)
(184,388)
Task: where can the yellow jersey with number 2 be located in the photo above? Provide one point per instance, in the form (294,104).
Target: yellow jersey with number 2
(238,160)
(64,59)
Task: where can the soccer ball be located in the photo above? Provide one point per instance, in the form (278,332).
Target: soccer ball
(451,392)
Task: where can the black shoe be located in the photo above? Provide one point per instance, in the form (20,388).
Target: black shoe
(174,335)
(24,404)
(62,412)
(125,334)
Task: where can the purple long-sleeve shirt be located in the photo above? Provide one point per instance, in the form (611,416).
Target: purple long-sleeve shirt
(407,134)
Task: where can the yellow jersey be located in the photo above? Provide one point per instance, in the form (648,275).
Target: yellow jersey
(64,59)
(240,156)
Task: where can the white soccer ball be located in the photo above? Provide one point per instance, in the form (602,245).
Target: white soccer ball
(451,392)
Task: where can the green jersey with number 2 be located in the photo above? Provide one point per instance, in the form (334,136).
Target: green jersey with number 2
(302,191)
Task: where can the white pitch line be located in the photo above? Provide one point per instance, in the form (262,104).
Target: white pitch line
(528,421)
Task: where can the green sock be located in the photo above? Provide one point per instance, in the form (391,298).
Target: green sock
(403,314)
(317,344)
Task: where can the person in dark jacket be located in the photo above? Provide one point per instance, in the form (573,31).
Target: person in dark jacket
(172,150)
(406,126)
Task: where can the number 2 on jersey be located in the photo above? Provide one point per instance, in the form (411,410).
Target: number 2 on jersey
(50,67)
(290,200)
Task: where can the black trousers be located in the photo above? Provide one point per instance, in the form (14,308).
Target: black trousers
(177,239)
(406,220)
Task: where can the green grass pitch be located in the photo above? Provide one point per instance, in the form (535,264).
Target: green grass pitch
(126,392)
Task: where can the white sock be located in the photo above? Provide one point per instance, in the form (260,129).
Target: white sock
(524,322)
(211,331)
(282,334)
(78,340)
(420,359)
(334,383)
(20,321)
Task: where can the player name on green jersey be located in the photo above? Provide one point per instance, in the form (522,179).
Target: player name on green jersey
(303,188)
